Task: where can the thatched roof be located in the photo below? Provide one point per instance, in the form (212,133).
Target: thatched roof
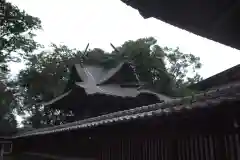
(212,98)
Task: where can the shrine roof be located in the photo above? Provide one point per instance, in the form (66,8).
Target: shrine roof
(211,98)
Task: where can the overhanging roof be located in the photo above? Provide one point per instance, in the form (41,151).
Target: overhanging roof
(230,75)
(217,20)
(212,98)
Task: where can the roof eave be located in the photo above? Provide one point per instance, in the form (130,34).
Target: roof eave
(221,26)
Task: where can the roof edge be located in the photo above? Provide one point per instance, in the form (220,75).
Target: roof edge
(195,101)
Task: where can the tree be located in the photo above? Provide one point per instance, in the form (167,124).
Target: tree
(44,78)
(16,41)
(7,119)
(165,70)
(180,66)
(46,73)
(16,34)
(148,60)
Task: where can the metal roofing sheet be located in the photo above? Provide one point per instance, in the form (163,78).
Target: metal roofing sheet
(96,74)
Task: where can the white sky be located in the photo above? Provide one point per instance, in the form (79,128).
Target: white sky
(101,22)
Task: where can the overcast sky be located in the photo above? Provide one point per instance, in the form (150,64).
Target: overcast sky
(101,22)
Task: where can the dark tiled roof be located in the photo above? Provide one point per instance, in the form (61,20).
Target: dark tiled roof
(227,76)
(206,99)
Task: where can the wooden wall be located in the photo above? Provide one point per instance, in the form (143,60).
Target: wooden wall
(197,147)
(200,134)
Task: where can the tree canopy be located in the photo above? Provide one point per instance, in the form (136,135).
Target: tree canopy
(16,42)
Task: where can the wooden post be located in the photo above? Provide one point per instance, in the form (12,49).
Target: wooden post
(2,151)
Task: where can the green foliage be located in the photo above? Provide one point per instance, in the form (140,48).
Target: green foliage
(8,124)
(7,119)
(181,64)
(16,35)
(148,59)
(16,42)
(46,73)
(45,77)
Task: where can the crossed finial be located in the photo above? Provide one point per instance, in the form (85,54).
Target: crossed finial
(83,55)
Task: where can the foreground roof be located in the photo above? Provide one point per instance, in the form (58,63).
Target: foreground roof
(214,19)
(210,98)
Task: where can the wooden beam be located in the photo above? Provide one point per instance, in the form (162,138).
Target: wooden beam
(55,156)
